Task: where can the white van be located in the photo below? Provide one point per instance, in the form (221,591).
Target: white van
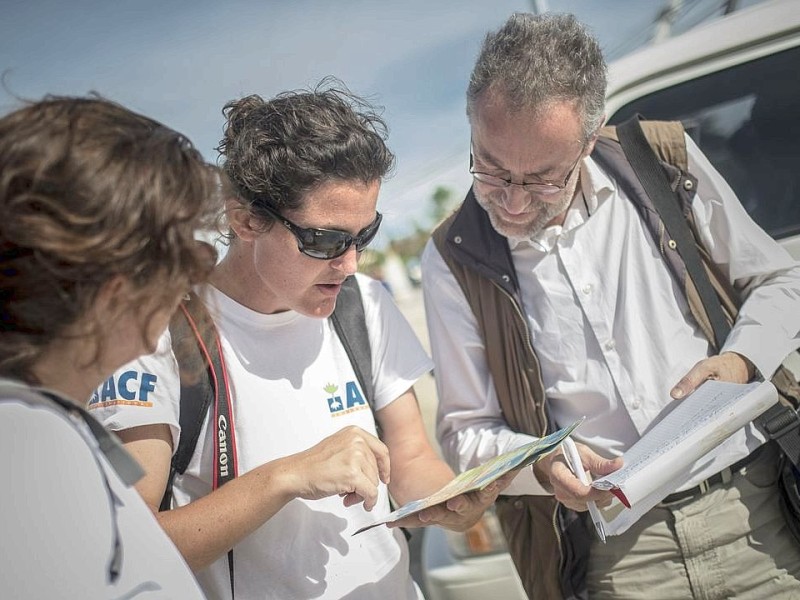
(735,84)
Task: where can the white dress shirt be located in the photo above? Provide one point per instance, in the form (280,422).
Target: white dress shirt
(610,327)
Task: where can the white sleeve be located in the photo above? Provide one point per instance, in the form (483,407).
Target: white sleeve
(55,508)
(470,426)
(146,391)
(398,358)
(767,277)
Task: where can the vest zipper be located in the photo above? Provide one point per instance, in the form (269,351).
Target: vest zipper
(542,409)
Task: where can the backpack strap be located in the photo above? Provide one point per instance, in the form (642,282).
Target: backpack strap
(643,160)
(197,376)
(350,323)
(780,422)
(666,139)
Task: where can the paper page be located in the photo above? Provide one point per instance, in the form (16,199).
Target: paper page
(667,455)
(481,476)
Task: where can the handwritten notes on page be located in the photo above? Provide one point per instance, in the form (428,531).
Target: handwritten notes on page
(664,458)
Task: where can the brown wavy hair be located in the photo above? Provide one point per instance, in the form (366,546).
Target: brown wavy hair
(89,191)
(276,151)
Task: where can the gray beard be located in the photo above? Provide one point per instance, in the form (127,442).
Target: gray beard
(547,214)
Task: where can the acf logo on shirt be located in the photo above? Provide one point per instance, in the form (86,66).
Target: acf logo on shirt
(130,387)
(352,401)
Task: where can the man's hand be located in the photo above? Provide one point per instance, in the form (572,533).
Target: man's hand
(349,463)
(459,513)
(728,366)
(554,474)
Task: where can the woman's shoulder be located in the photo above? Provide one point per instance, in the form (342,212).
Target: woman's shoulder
(46,430)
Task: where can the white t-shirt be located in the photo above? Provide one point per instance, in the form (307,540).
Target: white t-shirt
(60,504)
(292,385)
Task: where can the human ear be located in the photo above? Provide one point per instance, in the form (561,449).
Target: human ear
(593,140)
(240,220)
(112,294)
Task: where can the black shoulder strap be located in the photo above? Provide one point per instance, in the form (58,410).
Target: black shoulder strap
(350,323)
(780,422)
(191,329)
(654,180)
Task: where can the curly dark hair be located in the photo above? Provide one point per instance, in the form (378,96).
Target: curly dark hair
(89,191)
(276,151)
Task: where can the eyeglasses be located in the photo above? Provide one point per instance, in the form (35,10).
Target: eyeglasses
(538,187)
(326,244)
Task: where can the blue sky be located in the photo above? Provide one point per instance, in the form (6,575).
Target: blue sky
(180,61)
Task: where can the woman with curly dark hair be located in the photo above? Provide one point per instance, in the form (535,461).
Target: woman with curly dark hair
(306,168)
(98,211)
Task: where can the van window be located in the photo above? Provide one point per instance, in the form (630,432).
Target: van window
(746,119)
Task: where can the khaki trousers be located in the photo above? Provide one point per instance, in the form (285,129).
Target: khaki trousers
(731,542)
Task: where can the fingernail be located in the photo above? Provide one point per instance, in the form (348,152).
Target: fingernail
(677,392)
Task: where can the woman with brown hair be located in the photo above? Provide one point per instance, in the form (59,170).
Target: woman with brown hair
(299,446)
(98,212)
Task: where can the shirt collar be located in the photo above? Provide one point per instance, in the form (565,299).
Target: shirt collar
(596,186)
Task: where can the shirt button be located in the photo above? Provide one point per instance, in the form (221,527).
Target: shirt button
(610,345)
(636,404)
(587,289)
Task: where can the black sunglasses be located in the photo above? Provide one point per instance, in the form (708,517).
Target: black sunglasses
(326,244)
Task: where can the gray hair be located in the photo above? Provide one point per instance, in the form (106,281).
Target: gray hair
(535,60)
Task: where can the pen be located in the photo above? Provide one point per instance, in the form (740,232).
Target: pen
(574,461)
